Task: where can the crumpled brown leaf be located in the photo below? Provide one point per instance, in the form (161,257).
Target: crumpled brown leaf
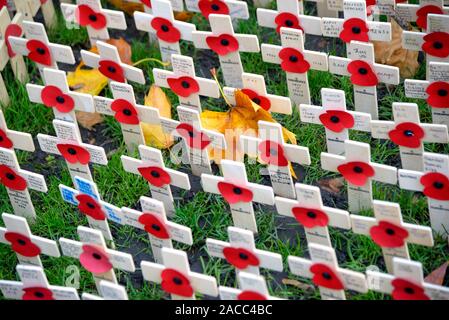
(127,6)
(332,185)
(437,275)
(297,284)
(183,16)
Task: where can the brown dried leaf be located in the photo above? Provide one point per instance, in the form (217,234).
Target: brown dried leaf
(88,119)
(124,49)
(183,16)
(437,275)
(127,6)
(332,185)
(297,284)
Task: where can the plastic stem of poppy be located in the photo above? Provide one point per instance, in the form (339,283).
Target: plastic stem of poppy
(165,64)
(214,75)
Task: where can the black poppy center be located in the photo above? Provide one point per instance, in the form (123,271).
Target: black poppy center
(111,69)
(438,45)
(96,256)
(224,42)
(71,151)
(358,169)
(243,256)
(409,290)
(442,92)
(237,190)
(127,112)
(41,51)
(177,281)
(155,174)
(390,231)
(335,119)
(60,99)
(90,205)
(1,139)
(409,133)
(256,100)
(311,214)
(191,134)
(438,185)
(293,58)
(356,30)
(185,84)
(10,176)
(327,275)
(155,227)
(93,17)
(21,242)
(165,28)
(215,7)
(39,294)
(363,71)
(289,23)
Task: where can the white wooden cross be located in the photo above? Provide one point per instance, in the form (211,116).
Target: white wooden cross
(418,13)
(406,283)
(176,278)
(241,252)
(325,273)
(160,230)
(29,9)
(238,192)
(235,8)
(168,30)
(34,285)
(27,246)
(295,61)
(335,118)
(271,149)
(228,45)
(108,291)
(252,287)
(358,170)
(365,74)
(10,139)
(309,211)
(95,256)
(152,168)
(388,230)
(407,132)
(90,14)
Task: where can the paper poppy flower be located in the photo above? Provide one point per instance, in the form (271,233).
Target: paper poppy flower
(156,176)
(112,70)
(310,218)
(37,293)
(175,282)
(250,295)
(73,153)
(39,52)
(53,97)
(272,153)
(288,20)
(194,138)
(293,61)
(125,112)
(324,276)
(356,172)
(10,179)
(406,290)
(388,235)
(337,120)
(86,16)
(223,44)
(362,74)
(354,29)
(147,3)
(90,207)
(165,30)
(438,94)
(407,134)
(423,12)
(234,194)
(436,44)
(436,186)
(12,30)
(154,225)
(94,259)
(22,244)
(208,7)
(183,86)
(5,142)
(240,257)
(261,101)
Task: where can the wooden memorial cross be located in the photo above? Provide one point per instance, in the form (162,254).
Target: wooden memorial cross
(409,134)
(335,118)
(388,231)
(29,9)
(406,283)
(252,287)
(358,170)
(295,61)
(419,12)
(272,150)
(364,74)
(309,211)
(184,83)
(228,45)
(241,252)
(176,278)
(108,291)
(160,230)
(152,168)
(238,192)
(34,285)
(325,273)
(90,14)
(10,139)
(236,9)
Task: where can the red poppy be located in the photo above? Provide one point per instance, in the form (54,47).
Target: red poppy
(125,112)
(324,276)
(22,244)
(112,70)
(438,94)
(94,259)
(156,176)
(208,7)
(422,13)
(310,218)
(37,293)
(406,290)
(154,225)
(436,44)
(362,74)
(165,30)
(12,30)
(53,97)
(5,142)
(436,186)
(39,52)
(288,20)
(234,194)
(407,134)
(356,172)
(388,235)
(354,29)
(183,86)
(337,120)
(250,295)
(73,153)
(3,3)
(90,207)
(86,16)
(176,283)
(293,61)
(147,3)
(240,257)
(223,44)
(194,138)
(261,101)
(11,180)
(272,153)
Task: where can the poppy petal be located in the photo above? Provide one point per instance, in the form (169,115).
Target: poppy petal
(436,44)
(240,257)
(12,30)
(39,52)
(183,86)
(356,172)
(406,290)
(11,180)
(193,137)
(90,207)
(234,194)
(208,7)
(37,293)
(436,186)
(272,153)
(388,235)
(337,120)
(250,295)
(293,61)
(73,153)
(125,112)
(5,142)
(22,244)
(310,218)
(407,134)
(176,283)
(261,101)
(324,276)
(438,94)
(288,20)
(165,30)
(94,259)
(354,29)
(362,74)
(154,225)
(112,70)
(223,44)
